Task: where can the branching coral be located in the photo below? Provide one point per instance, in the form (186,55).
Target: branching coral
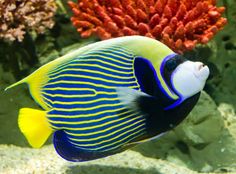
(17,16)
(180,24)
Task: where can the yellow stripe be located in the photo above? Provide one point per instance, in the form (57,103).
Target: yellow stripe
(94,65)
(83,109)
(84,115)
(78,82)
(82,102)
(87,108)
(165,86)
(73,96)
(91,77)
(70,89)
(101,119)
(97,56)
(95,72)
(104,130)
(112,51)
(78,89)
(101,61)
(47,100)
(131,56)
(111,143)
(110,139)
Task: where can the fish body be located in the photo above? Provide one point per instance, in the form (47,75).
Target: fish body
(108,96)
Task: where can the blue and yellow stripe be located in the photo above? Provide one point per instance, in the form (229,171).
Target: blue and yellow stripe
(84,102)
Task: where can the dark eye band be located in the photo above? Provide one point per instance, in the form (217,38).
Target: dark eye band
(171,64)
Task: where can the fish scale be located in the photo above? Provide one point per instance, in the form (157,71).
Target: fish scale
(85,105)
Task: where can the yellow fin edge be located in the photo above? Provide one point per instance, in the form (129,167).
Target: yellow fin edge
(34,125)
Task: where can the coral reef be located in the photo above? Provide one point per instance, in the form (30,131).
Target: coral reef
(180,24)
(19,16)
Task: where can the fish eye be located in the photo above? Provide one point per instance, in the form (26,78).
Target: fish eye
(171,64)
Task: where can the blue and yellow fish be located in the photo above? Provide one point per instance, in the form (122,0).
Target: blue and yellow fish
(109,96)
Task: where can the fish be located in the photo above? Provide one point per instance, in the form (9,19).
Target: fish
(109,96)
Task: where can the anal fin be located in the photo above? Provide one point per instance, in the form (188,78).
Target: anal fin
(70,152)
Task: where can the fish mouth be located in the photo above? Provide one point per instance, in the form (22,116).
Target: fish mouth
(202,71)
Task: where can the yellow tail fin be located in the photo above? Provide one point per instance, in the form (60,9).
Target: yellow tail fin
(35,126)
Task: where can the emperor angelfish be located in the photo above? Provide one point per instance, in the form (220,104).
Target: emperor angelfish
(108,96)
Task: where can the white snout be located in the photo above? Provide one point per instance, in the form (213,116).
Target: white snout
(201,71)
(189,78)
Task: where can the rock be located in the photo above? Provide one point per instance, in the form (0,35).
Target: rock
(45,160)
(194,130)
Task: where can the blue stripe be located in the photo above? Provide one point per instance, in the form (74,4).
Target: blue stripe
(96,129)
(108,58)
(72,106)
(60,112)
(91,74)
(94,118)
(96,133)
(107,137)
(94,62)
(96,81)
(69,92)
(115,141)
(122,113)
(78,72)
(99,69)
(79,86)
(80,60)
(120,52)
(125,141)
(79,99)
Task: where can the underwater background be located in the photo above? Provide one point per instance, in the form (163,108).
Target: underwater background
(205,142)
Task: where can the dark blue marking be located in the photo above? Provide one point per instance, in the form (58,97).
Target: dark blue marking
(162,72)
(146,75)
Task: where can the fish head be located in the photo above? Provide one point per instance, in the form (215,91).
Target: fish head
(186,78)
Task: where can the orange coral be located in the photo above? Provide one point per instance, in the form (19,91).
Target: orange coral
(180,24)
